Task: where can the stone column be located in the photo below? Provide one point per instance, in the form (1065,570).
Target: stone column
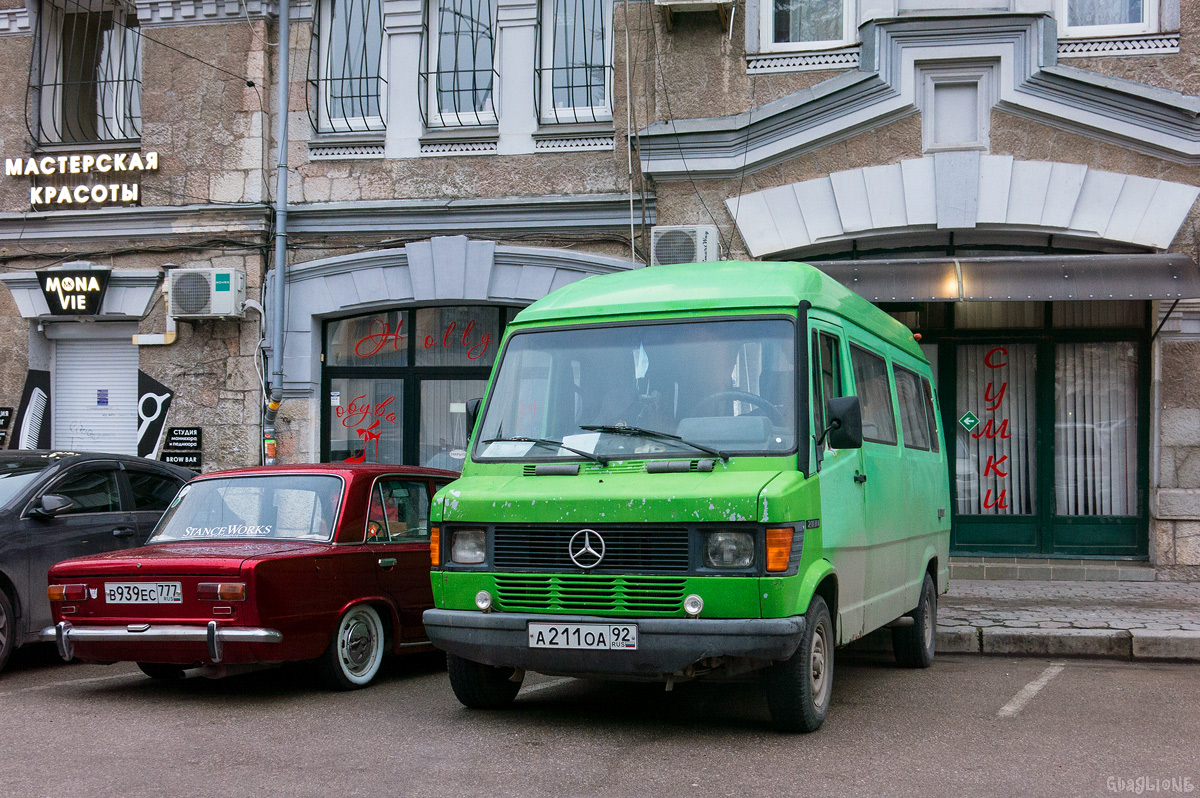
(517,47)
(402,27)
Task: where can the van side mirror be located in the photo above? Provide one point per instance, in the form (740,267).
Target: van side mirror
(472,414)
(50,505)
(845,423)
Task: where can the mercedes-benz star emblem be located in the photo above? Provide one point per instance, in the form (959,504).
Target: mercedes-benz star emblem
(586,548)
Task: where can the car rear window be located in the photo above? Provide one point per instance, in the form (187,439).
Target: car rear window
(275,507)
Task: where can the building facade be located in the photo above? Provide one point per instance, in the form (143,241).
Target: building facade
(1015,181)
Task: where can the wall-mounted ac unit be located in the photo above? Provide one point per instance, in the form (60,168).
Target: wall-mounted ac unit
(206,293)
(684,243)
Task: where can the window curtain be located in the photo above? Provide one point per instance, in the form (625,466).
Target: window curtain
(1095,429)
(1082,13)
(808,20)
(996,460)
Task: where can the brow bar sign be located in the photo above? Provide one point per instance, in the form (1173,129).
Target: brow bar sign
(107,178)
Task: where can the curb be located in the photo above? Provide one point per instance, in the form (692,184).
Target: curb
(1124,644)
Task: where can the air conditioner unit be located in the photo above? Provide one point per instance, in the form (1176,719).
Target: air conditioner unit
(684,243)
(206,293)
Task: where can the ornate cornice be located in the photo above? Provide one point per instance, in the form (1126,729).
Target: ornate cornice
(135,223)
(160,13)
(886,88)
(15,22)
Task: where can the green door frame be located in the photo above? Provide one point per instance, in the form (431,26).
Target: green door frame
(1044,533)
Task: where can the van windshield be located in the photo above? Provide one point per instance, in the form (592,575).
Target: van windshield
(644,391)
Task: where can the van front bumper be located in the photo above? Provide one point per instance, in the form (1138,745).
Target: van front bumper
(665,645)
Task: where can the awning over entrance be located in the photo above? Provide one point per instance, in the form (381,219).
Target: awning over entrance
(1166,276)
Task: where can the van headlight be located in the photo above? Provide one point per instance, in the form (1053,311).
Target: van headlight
(468,546)
(729,549)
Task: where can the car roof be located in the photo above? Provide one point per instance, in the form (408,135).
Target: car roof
(729,286)
(55,456)
(349,470)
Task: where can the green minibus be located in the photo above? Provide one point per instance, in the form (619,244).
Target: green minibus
(694,471)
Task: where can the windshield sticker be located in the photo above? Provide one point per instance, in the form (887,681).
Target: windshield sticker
(585,442)
(508,448)
(230,531)
(179,496)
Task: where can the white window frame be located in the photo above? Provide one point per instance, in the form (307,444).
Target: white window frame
(766,30)
(468,119)
(596,113)
(1149,23)
(347,124)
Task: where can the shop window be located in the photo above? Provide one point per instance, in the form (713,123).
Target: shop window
(1095,429)
(459,85)
(349,91)
(996,454)
(1099,314)
(380,339)
(457,336)
(367,420)
(1106,17)
(998,315)
(85,78)
(871,384)
(575,74)
(444,430)
(807,24)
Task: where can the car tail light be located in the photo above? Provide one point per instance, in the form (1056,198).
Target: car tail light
(221,591)
(779,548)
(435,546)
(67,592)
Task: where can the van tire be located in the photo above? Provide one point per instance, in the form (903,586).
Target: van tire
(480,686)
(798,689)
(914,645)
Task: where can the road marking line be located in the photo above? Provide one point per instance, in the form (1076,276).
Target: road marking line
(1027,692)
(53,685)
(537,688)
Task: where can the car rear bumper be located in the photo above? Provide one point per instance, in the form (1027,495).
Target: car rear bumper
(665,645)
(65,635)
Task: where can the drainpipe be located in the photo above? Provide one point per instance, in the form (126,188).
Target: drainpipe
(280,268)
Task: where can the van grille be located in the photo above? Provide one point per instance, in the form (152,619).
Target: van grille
(545,549)
(645,595)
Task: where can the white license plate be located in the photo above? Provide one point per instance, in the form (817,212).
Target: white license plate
(593,636)
(143,593)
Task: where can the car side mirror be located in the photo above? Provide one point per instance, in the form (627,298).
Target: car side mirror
(845,423)
(472,414)
(50,505)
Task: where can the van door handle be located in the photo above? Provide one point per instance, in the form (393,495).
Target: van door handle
(387,562)
(860,478)
(123,532)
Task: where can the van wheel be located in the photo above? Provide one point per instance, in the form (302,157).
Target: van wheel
(355,652)
(798,689)
(914,645)
(480,686)
(161,671)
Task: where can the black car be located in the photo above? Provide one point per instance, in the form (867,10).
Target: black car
(57,505)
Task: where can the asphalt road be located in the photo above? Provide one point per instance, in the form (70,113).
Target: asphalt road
(969,725)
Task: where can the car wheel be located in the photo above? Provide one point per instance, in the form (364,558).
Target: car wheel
(161,671)
(356,650)
(798,689)
(480,686)
(914,645)
(8,629)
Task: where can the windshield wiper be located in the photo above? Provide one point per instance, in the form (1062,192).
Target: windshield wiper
(550,442)
(623,429)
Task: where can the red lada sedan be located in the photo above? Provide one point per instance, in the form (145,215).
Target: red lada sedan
(261,566)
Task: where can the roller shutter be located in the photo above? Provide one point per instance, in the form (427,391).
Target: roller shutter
(95,395)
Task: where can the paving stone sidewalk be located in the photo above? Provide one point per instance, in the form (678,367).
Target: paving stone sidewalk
(1123,620)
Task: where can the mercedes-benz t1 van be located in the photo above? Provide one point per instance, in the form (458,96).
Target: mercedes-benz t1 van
(695,470)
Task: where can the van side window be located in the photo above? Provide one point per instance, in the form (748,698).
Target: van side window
(931,414)
(914,420)
(871,382)
(827,375)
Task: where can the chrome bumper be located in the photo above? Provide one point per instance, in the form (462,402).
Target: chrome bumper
(65,635)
